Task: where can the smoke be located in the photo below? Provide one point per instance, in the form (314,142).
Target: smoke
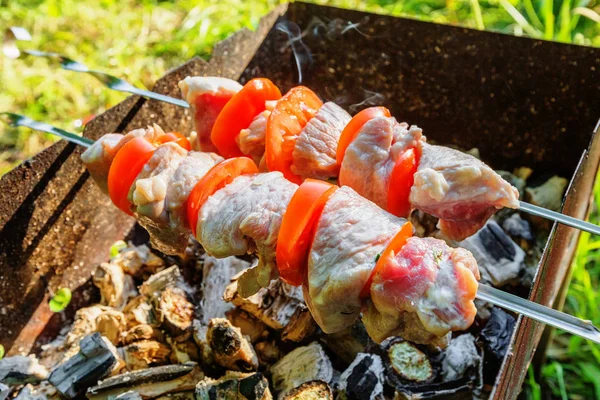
(371,99)
(334,28)
(301,51)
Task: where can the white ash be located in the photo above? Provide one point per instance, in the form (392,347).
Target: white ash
(18,370)
(517,227)
(460,356)
(4,391)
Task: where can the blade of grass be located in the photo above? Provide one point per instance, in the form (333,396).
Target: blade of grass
(532,14)
(548,15)
(519,18)
(564,16)
(476,8)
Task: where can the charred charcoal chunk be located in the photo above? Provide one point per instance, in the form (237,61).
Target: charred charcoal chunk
(348,343)
(160,281)
(517,227)
(230,348)
(4,391)
(129,395)
(175,311)
(461,358)
(497,333)
(312,390)
(111,324)
(115,286)
(139,311)
(182,352)
(407,361)
(303,364)
(364,378)
(234,385)
(250,326)
(268,352)
(138,261)
(94,361)
(142,332)
(149,383)
(142,354)
(301,327)
(19,370)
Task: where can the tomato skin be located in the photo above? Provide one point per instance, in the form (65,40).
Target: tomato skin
(392,248)
(356,123)
(298,229)
(401,181)
(125,168)
(175,137)
(216,178)
(291,113)
(238,113)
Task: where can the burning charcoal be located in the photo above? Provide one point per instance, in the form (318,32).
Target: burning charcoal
(460,356)
(182,352)
(149,383)
(364,378)
(517,227)
(310,391)
(160,281)
(175,311)
(130,395)
(301,326)
(19,370)
(249,325)
(116,288)
(307,363)
(274,305)
(499,258)
(142,354)
(138,261)
(347,343)
(229,347)
(111,324)
(139,311)
(496,334)
(95,360)
(234,385)
(267,352)
(142,332)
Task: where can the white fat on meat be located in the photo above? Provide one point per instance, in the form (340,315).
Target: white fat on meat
(245,216)
(431,280)
(251,140)
(460,190)
(350,234)
(315,150)
(206,95)
(369,160)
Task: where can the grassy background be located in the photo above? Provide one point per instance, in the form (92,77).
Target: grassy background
(140,40)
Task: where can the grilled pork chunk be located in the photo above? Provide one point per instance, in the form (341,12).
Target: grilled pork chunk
(460,190)
(245,216)
(316,146)
(206,96)
(370,158)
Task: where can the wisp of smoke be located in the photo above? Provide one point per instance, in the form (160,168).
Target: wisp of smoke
(301,51)
(371,99)
(335,27)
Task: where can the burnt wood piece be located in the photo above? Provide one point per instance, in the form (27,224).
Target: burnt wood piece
(303,364)
(495,338)
(19,370)
(4,391)
(234,385)
(310,391)
(111,324)
(129,395)
(145,353)
(230,348)
(348,343)
(461,358)
(149,383)
(187,395)
(250,326)
(138,261)
(182,352)
(160,281)
(176,311)
(268,352)
(363,379)
(116,287)
(139,311)
(301,327)
(94,361)
(142,332)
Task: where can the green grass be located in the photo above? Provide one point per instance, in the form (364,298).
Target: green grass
(140,40)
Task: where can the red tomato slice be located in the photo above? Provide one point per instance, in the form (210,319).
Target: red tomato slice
(126,166)
(356,123)
(216,178)
(290,115)
(401,180)
(176,137)
(392,248)
(298,228)
(239,112)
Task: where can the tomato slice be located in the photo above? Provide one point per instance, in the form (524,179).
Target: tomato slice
(176,137)
(239,112)
(291,113)
(401,180)
(125,168)
(216,178)
(298,228)
(392,248)
(356,123)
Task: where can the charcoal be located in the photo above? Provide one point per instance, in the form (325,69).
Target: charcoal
(408,362)
(94,361)
(230,348)
(268,352)
(139,311)
(517,227)
(150,382)
(145,353)
(348,343)
(234,385)
(187,395)
(116,288)
(19,370)
(253,328)
(310,391)
(83,325)
(160,281)
(4,391)
(460,357)
(301,326)
(176,311)
(500,260)
(29,393)
(111,324)
(364,378)
(182,352)
(138,261)
(142,332)
(497,333)
(129,395)
(303,364)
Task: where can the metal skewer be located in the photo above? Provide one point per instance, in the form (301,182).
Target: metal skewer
(11,50)
(535,311)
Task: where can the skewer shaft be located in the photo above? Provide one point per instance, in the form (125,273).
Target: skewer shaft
(492,295)
(560,218)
